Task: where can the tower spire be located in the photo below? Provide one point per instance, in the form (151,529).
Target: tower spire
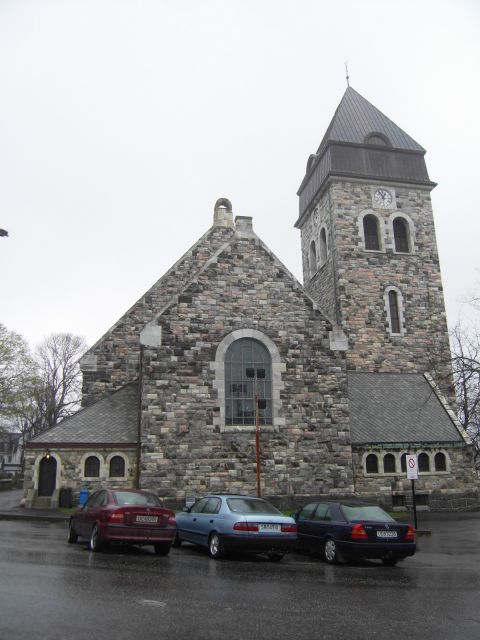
(346,72)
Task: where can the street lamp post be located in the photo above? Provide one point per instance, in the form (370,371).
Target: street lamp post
(257,374)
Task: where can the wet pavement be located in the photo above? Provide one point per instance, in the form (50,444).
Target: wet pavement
(49,589)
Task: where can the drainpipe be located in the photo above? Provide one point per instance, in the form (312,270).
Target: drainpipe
(139,420)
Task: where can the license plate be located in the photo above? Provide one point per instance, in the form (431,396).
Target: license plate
(270,527)
(146,519)
(387,534)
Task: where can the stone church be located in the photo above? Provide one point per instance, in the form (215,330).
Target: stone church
(341,377)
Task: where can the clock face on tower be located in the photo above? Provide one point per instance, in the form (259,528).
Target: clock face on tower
(382,198)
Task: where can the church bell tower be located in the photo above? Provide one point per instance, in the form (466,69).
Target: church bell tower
(370,258)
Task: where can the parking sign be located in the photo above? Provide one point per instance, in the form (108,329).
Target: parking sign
(412,466)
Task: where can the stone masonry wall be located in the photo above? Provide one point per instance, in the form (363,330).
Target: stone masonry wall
(184,451)
(70,468)
(455,488)
(115,356)
(362,277)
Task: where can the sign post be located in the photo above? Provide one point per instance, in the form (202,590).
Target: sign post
(412,474)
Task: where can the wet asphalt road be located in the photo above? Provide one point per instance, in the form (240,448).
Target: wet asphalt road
(52,590)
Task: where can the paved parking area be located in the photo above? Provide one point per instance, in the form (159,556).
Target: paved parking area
(59,591)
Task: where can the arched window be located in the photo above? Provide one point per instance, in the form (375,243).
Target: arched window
(440,462)
(371,463)
(323,246)
(400,234)
(313,258)
(92,467)
(394,308)
(117,467)
(403,462)
(248,382)
(423,462)
(389,465)
(370,233)
(378,139)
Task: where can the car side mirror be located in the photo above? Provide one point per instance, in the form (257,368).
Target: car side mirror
(186,509)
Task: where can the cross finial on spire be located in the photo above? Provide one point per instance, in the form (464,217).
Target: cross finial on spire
(346,71)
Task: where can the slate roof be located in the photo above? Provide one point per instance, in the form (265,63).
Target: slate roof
(111,420)
(397,407)
(355,118)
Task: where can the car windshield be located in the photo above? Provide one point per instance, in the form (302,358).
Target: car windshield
(130,497)
(366,512)
(251,505)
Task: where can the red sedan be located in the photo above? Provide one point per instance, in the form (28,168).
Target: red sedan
(124,515)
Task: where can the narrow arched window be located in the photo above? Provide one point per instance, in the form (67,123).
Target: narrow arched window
(92,467)
(394,312)
(423,462)
(403,462)
(389,465)
(371,463)
(400,234)
(371,233)
(313,258)
(117,467)
(440,462)
(248,383)
(323,245)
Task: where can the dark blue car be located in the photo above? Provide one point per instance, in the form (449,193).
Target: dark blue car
(349,530)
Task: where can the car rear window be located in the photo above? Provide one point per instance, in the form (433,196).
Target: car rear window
(130,497)
(250,505)
(366,512)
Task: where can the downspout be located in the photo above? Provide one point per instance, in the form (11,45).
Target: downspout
(139,420)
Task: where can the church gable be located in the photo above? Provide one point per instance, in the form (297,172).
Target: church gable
(198,428)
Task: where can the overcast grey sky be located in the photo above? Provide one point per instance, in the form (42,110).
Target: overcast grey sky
(122,121)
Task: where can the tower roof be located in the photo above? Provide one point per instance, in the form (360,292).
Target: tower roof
(356,118)
(362,144)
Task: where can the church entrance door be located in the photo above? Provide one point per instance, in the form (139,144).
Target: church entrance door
(47,476)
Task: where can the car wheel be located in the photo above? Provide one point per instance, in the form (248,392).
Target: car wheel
(275,557)
(95,543)
(330,551)
(389,562)
(176,541)
(162,548)
(72,536)
(215,546)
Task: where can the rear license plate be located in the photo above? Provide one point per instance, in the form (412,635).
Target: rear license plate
(270,527)
(387,534)
(146,519)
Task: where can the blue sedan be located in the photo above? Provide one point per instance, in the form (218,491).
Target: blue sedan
(224,523)
(353,530)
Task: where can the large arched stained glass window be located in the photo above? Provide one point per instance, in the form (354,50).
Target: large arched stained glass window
(248,375)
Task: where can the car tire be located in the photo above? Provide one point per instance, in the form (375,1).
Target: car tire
(275,557)
(331,554)
(162,548)
(72,536)
(176,541)
(215,546)
(389,562)
(95,543)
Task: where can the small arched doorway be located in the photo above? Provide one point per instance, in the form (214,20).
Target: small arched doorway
(47,476)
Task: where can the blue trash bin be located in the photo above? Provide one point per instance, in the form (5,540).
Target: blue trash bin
(84,493)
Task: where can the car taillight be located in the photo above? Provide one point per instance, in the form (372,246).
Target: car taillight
(116,516)
(171,521)
(358,532)
(410,535)
(289,528)
(245,526)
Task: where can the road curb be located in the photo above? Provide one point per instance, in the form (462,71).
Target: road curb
(10,515)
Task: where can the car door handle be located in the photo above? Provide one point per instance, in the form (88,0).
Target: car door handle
(194,519)
(211,521)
